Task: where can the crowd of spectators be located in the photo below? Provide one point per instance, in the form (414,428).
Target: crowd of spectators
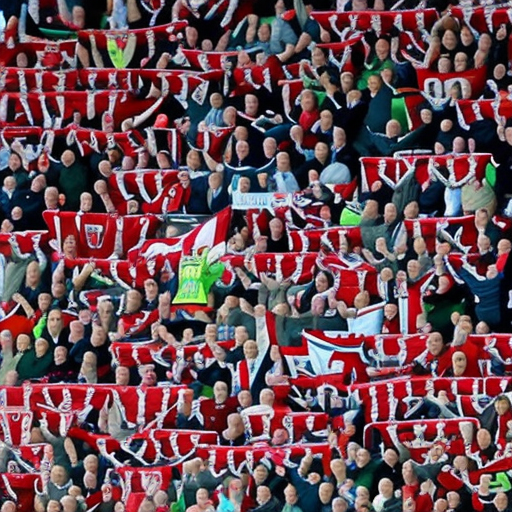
(254,256)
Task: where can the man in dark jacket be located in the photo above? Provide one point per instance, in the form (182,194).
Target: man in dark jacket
(31,202)
(266,502)
(307,488)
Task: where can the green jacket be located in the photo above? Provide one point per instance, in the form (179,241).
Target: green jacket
(73,180)
(363,476)
(32,367)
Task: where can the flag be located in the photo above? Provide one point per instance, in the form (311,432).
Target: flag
(421,434)
(61,54)
(149,185)
(211,234)
(299,423)
(329,352)
(406,105)
(179,506)
(299,267)
(33,108)
(34,79)
(368,320)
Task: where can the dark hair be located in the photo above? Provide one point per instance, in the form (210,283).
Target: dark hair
(311,291)
(332,72)
(393,449)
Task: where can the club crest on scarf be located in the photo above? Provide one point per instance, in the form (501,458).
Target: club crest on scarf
(94,234)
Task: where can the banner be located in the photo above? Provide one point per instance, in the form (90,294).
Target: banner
(100,235)
(470,111)
(265,201)
(381,22)
(438,85)
(391,171)
(482,19)
(50,54)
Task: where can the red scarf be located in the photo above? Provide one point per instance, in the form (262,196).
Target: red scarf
(308,119)
(244,375)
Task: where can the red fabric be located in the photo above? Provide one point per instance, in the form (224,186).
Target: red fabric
(17,324)
(480,20)
(39,51)
(478,506)
(75,101)
(214,141)
(23,487)
(394,170)
(96,233)
(215,415)
(500,262)
(410,491)
(414,302)
(391,326)
(365,20)
(308,119)
(424,503)
(475,78)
